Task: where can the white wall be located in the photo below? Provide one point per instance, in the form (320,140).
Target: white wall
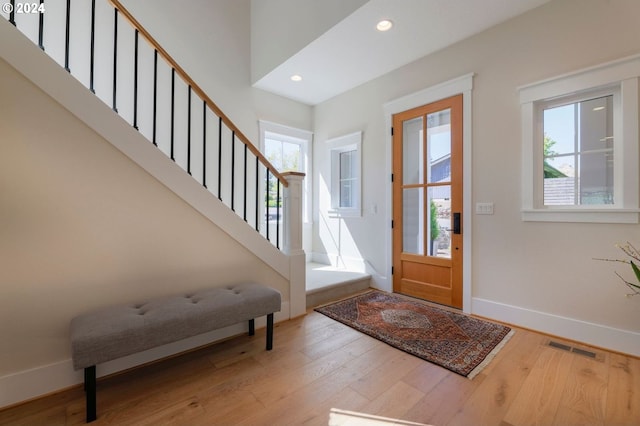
(539,275)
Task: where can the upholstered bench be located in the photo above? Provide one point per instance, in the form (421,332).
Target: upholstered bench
(117,331)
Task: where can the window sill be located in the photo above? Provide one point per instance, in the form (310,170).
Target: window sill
(582,215)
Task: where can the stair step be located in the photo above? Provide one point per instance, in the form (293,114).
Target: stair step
(326,284)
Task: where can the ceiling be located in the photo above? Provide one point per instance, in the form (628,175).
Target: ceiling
(354,52)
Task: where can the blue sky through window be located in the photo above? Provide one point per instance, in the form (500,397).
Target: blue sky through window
(559,126)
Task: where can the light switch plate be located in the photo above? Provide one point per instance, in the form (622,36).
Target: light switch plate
(484,208)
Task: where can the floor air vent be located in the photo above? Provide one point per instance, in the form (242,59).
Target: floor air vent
(578,351)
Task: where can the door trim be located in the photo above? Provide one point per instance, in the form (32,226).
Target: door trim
(464,85)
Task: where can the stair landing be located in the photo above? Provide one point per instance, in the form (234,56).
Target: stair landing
(326,283)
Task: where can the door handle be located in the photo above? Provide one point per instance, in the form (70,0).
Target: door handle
(456,223)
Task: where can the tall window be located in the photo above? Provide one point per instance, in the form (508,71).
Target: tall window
(287,149)
(346,175)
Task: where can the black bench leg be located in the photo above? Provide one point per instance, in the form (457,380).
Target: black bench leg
(269,332)
(90,392)
(252,327)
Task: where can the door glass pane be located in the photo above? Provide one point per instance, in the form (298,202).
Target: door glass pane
(440,225)
(412,152)
(439,146)
(413,220)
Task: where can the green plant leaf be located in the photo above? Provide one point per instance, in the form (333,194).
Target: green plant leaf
(636,270)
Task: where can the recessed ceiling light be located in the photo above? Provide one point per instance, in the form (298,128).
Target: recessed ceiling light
(296,77)
(384,25)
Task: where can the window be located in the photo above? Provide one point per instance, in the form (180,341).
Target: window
(580,146)
(288,149)
(346,175)
(578,155)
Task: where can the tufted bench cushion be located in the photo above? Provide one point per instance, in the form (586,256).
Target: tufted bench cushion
(117,331)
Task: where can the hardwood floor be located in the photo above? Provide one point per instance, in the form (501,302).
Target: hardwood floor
(318,365)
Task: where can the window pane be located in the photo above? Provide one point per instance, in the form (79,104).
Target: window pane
(578,153)
(346,194)
(346,164)
(413,220)
(412,152)
(596,178)
(439,146)
(291,157)
(285,156)
(273,152)
(347,178)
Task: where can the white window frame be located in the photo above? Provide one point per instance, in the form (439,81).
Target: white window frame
(346,143)
(304,138)
(619,78)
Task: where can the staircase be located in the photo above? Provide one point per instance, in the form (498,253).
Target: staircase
(189,145)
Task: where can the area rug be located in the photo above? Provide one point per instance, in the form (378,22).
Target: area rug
(457,342)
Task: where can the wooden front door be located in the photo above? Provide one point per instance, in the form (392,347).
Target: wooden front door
(427,202)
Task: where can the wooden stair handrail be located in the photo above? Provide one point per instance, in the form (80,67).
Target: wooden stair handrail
(134,22)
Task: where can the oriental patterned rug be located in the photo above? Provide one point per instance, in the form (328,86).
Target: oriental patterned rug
(455,341)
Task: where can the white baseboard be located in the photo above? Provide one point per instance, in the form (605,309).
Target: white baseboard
(29,384)
(602,336)
(324,258)
(39,381)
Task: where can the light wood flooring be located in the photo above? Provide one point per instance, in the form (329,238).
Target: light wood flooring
(318,365)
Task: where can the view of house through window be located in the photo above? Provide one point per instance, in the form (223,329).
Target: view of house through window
(578,153)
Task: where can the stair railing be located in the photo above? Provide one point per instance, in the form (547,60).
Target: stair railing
(200,136)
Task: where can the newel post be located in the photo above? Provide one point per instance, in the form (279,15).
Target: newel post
(293,221)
